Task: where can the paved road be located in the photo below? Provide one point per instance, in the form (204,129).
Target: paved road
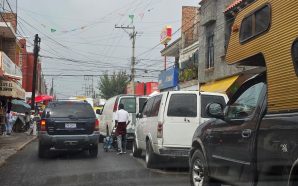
(76,168)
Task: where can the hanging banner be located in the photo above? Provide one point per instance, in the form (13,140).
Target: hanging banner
(11,89)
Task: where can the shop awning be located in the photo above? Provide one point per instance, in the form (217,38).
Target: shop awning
(11,89)
(228,85)
(220,86)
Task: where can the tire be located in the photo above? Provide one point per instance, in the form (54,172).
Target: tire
(42,151)
(199,174)
(93,152)
(150,157)
(135,151)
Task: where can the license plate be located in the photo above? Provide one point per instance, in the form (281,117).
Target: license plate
(70,125)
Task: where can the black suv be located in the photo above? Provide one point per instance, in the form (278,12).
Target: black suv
(68,125)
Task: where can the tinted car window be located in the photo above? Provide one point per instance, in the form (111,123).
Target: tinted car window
(183,105)
(295,55)
(66,109)
(141,103)
(246,103)
(156,105)
(206,99)
(262,19)
(147,108)
(129,104)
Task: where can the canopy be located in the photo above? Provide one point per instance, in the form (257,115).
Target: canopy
(19,106)
(42,98)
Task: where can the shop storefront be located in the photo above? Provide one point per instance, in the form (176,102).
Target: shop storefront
(10,84)
(168,79)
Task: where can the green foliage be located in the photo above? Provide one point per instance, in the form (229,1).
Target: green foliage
(112,85)
(189,73)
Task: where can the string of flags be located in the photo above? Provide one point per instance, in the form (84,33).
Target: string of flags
(130,16)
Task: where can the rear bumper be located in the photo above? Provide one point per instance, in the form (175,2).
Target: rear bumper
(174,152)
(69,141)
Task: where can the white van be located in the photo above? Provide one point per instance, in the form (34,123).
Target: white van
(132,104)
(168,121)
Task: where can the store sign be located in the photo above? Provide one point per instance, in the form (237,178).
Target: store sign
(168,78)
(9,68)
(166,35)
(11,89)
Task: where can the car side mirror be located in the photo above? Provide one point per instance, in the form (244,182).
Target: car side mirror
(215,110)
(48,114)
(139,115)
(98,111)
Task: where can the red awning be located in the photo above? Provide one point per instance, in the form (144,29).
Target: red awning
(42,98)
(235,3)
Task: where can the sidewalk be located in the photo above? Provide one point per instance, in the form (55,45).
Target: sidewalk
(10,145)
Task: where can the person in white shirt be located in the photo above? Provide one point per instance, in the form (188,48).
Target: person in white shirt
(121,122)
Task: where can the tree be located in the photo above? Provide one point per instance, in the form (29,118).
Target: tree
(112,85)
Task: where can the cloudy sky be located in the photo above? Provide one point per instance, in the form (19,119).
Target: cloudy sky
(83,33)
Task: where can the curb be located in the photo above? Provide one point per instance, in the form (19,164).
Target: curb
(24,145)
(3,162)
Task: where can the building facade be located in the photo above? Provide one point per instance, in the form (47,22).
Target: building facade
(214,31)
(185,51)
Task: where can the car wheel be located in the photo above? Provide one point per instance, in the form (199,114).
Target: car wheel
(42,151)
(93,151)
(150,156)
(199,175)
(135,151)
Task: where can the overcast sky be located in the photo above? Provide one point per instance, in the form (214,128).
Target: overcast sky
(85,31)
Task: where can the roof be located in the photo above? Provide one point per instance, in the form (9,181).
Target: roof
(234,4)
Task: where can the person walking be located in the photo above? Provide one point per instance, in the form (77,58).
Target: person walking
(8,123)
(121,122)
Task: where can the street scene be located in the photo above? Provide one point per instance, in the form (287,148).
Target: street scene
(148,92)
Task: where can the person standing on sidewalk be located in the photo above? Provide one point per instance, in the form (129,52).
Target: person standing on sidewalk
(121,122)
(8,123)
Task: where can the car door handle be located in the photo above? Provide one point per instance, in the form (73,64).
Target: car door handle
(186,120)
(246,133)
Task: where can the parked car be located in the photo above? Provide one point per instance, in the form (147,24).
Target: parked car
(68,125)
(167,122)
(132,104)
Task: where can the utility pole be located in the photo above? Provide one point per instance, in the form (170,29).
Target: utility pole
(52,88)
(35,51)
(133,58)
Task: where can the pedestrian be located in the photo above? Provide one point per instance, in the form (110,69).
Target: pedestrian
(27,120)
(121,122)
(8,122)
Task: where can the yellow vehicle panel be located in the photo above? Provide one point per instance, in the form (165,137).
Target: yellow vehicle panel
(275,45)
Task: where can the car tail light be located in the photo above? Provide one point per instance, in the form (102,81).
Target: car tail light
(159,129)
(43,125)
(96,124)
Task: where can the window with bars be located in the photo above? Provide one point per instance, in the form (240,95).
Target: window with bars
(210,51)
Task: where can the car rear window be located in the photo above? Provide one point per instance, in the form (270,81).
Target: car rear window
(67,109)
(129,104)
(183,105)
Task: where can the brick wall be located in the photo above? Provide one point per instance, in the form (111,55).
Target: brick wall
(188,30)
(10,17)
(8,46)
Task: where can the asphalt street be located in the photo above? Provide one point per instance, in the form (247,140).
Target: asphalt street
(78,169)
